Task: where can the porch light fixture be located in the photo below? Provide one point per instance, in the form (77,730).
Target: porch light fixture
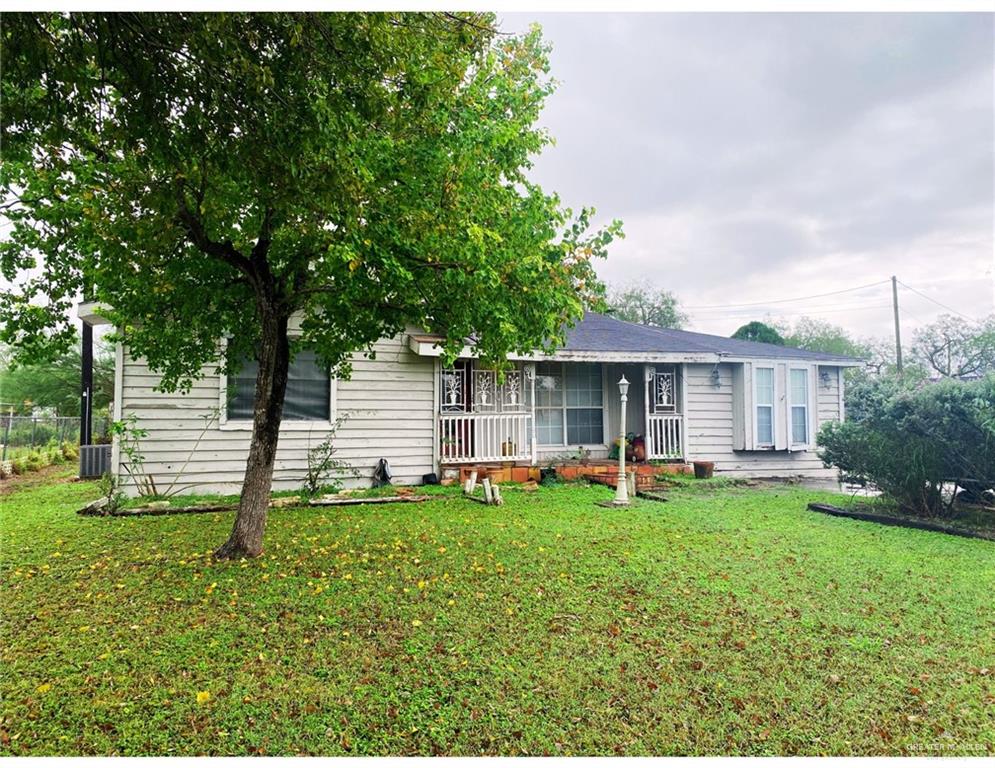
(825,380)
(621,489)
(716,380)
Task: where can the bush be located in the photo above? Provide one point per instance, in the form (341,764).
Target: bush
(34,461)
(324,471)
(866,395)
(909,443)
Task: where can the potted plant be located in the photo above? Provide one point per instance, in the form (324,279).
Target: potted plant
(703,469)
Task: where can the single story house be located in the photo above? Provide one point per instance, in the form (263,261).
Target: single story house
(751,408)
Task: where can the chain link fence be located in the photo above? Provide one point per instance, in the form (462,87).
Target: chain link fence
(22,434)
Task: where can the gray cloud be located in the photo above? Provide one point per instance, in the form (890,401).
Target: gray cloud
(763,156)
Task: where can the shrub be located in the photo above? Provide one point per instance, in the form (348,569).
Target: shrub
(110,489)
(909,443)
(866,395)
(34,461)
(324,471)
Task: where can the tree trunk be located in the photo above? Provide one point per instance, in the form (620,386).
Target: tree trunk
(246,539)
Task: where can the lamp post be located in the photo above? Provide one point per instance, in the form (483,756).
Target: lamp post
(622,489)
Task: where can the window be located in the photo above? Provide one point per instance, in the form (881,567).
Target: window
(308,390)
(765,406)
(569,404)
(799,406)
(549,404)
(584,404)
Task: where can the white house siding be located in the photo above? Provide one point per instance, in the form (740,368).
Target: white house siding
(710,427)
(389,401)
(830,400)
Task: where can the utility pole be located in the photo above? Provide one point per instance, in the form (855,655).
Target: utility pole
(898,329)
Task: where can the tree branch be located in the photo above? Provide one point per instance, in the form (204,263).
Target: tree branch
(225,251)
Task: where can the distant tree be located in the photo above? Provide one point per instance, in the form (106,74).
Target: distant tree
(954,347)
(646,305)
(821,336)
(757,331)
(213,175)
(56,383)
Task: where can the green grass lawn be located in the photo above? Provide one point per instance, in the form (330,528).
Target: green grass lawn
(727,620)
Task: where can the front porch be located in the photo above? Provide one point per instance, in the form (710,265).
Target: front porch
(549,412)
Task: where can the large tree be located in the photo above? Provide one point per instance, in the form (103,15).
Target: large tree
(646,305)
(954,347)
(212,175)
(822,336)
(758,331)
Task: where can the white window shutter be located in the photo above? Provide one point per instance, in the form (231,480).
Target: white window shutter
(813,404)
(782,410)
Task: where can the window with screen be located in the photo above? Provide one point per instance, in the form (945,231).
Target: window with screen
(799,406)
(585,414)
(308,390)
(549,404)
(765,406)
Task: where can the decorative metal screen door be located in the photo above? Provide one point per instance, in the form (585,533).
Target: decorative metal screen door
(664,393)
(456,393)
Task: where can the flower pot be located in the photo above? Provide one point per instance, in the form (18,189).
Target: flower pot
(704,469)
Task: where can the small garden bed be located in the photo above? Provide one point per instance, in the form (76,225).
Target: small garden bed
(972,523)
(199,504)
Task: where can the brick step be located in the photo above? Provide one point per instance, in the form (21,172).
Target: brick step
(604,472)
(643,481)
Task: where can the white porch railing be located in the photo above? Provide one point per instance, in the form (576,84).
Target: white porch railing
(666,436)
(466,437)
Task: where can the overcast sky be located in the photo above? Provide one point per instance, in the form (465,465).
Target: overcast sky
(759,157)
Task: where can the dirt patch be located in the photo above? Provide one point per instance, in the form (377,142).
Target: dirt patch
(53,473)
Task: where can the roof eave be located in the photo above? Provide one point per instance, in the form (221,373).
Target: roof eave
(90,312)
(428,346)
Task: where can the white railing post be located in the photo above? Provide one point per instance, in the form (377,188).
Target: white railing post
(530,374)
(467,437)
(666,436)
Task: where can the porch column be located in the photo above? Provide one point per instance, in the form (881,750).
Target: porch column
(683,383)
(648,372)
(530,374)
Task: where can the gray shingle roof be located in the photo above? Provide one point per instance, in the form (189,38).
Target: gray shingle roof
(601,333)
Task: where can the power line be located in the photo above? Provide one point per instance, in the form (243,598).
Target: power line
(783,301)
(785,310)
(939,304)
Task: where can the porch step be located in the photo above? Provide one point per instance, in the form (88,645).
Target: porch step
(644,482)
(499,474)
(605,473)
